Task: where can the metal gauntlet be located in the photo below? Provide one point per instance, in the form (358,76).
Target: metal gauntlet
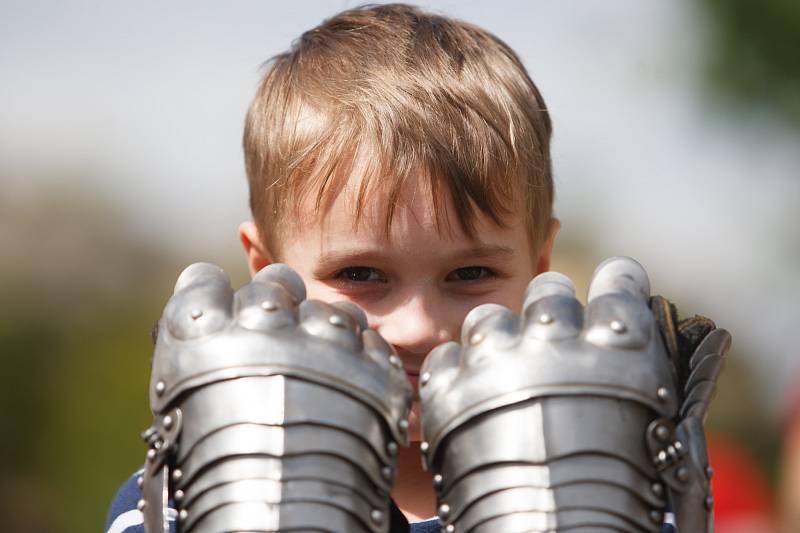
(271,412)
(565,418)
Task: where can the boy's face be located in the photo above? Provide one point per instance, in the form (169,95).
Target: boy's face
(415,284)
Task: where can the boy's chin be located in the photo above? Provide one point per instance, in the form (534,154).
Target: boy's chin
(415,424)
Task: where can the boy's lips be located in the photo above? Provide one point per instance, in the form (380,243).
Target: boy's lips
(412,362)
(413,378)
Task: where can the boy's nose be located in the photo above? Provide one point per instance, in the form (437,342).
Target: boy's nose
(414,328)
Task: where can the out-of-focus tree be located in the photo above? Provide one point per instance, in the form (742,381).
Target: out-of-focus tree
(753,59)
(80,293)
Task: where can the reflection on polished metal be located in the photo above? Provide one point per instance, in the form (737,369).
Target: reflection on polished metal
(270,412)
(569,419)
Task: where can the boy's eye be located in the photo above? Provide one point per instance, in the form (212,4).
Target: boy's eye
(471,273)
(360,275)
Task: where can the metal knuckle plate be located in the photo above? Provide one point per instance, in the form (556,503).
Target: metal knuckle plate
(271,413)
(538,423)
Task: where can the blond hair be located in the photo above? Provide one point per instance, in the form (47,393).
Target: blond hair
(382,92)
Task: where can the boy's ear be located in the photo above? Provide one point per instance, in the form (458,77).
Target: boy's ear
(257,257)
(543,263)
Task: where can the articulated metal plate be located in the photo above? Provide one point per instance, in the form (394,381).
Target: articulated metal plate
(271,413)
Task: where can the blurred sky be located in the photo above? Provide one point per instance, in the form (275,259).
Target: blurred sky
(145,101)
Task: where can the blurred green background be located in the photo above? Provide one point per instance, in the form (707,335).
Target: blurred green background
(87,264)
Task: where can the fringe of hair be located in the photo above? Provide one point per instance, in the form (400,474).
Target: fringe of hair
(386,94)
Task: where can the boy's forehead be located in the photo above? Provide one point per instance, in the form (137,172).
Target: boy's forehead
(416,218)
(349,211)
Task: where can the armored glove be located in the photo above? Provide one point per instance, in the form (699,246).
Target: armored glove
(271,412)
(571,419)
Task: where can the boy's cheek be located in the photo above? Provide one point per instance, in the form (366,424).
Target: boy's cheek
(415,422)
(317,290)
(371,301)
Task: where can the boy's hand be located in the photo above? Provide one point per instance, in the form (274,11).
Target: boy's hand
(270,411)
(570,418)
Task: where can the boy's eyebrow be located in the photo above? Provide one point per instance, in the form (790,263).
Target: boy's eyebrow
(484,251)
(479,251)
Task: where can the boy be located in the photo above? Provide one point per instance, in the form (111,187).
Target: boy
(399,160)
